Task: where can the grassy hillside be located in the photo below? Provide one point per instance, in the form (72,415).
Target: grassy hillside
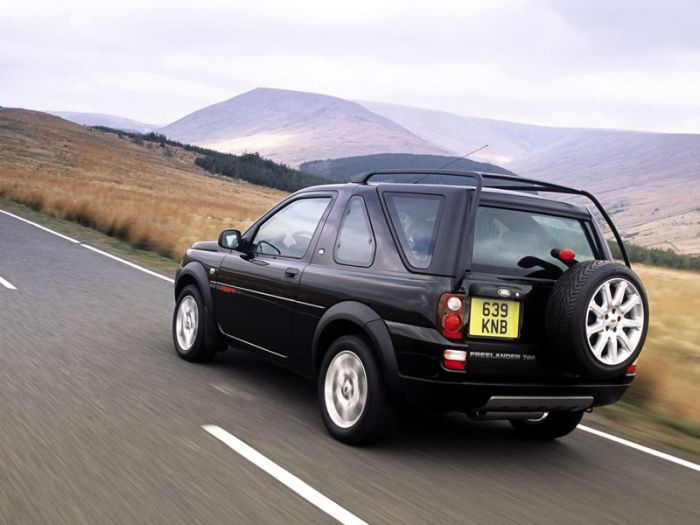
(343,169)
(250,167)
(656,257)
(152,196)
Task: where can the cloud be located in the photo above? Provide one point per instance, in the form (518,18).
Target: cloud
(622,64)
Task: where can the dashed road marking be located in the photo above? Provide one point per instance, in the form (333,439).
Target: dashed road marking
(7,284)
(285,477)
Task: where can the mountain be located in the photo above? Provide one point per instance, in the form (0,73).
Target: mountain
(344,169)
(459,134)
(650,182)
(108,121)
(293,127)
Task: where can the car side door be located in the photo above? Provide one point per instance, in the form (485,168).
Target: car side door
(255,291)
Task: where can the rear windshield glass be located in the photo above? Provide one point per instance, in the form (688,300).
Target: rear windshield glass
(520,243)
(416,218)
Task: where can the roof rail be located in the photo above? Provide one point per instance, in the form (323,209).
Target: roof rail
(490,180)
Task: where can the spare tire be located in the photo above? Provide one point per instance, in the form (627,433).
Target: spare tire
(597,319)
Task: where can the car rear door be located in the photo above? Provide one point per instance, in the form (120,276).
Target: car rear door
(256,289)
(515,250)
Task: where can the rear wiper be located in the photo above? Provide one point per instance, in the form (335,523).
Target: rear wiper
(549,272)
(548,269)
(530,261)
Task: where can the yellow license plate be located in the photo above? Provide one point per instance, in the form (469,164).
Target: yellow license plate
(494,318)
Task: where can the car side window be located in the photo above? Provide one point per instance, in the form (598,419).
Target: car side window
(289,231)
(355,243)
(416,217)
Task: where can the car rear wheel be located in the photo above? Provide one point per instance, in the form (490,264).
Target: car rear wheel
(190,335)
(551,425)
(354,402)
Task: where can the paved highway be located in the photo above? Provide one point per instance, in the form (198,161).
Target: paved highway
(100,422)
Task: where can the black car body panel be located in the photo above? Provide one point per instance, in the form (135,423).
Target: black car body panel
(291,308)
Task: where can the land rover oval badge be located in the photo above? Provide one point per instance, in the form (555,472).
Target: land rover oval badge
(504,292)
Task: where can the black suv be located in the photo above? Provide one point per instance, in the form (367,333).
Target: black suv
(453,291)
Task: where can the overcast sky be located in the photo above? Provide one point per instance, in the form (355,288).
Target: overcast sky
(597,63)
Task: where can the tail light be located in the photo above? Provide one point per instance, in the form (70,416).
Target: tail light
(454,360)
(450,319)
(632,369)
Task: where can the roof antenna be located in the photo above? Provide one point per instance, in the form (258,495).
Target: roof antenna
(463,156)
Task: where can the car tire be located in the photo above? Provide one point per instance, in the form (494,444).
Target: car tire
(597,319)
(552,425)
(355,404)
(192,336)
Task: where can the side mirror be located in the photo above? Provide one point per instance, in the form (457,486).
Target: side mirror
(230,239)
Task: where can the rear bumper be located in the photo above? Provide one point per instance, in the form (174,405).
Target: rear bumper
(494,374)
(469,396)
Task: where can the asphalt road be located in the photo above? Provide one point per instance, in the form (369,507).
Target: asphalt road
(100,422)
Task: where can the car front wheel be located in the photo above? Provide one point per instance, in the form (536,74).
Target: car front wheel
(192,343)
(355,405)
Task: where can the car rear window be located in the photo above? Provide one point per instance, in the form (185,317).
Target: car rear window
(416,217)
(516,242)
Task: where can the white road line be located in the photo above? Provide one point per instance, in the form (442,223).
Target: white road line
(7,284)
(70,239)
(132,265)
(283,476)
(621,441)
(642,448)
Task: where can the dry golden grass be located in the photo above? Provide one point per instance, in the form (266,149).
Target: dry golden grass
(668,379)
(151,196)
(165,202)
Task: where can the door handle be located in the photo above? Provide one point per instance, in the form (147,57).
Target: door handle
(291,272)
